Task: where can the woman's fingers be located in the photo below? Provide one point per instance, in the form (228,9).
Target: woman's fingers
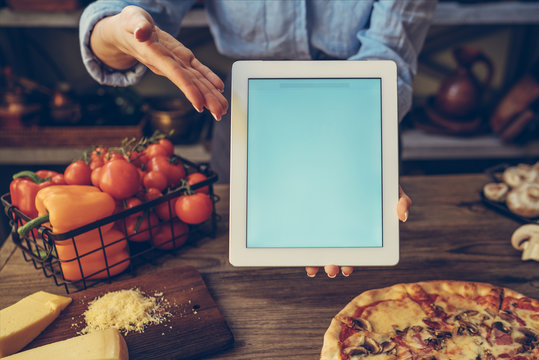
(215,102)
(347,270)
(208,74)
(311,271)
(331,270)
(168,57)
(403,206)
(138,22)
(143,32)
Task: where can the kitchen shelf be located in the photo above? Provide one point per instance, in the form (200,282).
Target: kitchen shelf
(418,145)
(196,153)
(487,13)
(447,13)
(10,18)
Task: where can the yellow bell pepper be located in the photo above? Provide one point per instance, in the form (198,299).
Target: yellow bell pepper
(68,207)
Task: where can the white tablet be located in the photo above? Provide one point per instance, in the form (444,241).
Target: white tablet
(314,163)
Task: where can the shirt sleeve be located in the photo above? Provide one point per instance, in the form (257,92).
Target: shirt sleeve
(166,14)
(397,32)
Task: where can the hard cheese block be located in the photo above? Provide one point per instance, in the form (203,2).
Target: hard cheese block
(99,345)
(21,322)
(194,329)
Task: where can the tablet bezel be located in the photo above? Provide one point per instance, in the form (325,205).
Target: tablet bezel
(239,253)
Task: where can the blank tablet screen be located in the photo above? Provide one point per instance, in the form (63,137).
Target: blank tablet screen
(314,165)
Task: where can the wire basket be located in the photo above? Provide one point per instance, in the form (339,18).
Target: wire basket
(72,263)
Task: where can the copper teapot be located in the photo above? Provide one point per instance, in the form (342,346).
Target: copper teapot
(460,94)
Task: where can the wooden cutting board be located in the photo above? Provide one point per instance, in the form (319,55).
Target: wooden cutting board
(195,329)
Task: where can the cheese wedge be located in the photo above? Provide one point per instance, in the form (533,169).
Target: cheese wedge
(106,344)
(21,322)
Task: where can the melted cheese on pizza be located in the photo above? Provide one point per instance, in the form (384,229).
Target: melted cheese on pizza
(383,315)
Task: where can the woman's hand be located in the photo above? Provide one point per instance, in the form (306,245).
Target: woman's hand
(403,208)
(122,40)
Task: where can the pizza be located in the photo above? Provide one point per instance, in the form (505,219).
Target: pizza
(435,320)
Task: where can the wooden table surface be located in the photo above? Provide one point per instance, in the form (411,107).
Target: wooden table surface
(281,313)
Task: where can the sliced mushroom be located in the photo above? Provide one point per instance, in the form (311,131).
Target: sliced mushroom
(467,326)
(355,340)
(402,332)
(388,346)
(361,324)
(496,191)
(354,351)
(526,239)
(469,313)
(524,200)
(417,328)
(500,326)
(529,335)
(372,346)
(507,316)
(353,323)
(443,334)
(515,176)
(435,344)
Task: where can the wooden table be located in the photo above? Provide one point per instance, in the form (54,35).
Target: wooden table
(281,313)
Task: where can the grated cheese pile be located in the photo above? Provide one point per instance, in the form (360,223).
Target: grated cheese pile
(125,310)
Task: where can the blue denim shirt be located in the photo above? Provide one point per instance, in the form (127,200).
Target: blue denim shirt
(287,30)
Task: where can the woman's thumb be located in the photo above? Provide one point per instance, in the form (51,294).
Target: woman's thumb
(139,22)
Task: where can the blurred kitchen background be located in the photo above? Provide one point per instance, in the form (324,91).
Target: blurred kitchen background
(50,110)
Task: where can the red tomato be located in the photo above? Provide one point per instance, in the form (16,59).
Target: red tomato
(161,210)
(152,194)
(155,179)
(96,176)
(138,159)
(58,179)
(140,227)
(78,173)
(173,169)
(98,153)
(168,145)
(195,178)
(131,203)
(46,173)
(194,209)
(165,239)
(125,204)
(95,163)
(154,150)
(113,155)
(119,178)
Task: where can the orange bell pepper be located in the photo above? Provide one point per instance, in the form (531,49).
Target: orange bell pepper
(92,257)
(68,207)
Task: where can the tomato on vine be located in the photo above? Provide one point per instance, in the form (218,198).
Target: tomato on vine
(170,166)
(140,227)
(168,145)
(155,179)
(194,208)
(170,236)
(78,173)
(154,150)
(119,178)
(195,178)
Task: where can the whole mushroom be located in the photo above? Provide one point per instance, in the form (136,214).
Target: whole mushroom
(526,239)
